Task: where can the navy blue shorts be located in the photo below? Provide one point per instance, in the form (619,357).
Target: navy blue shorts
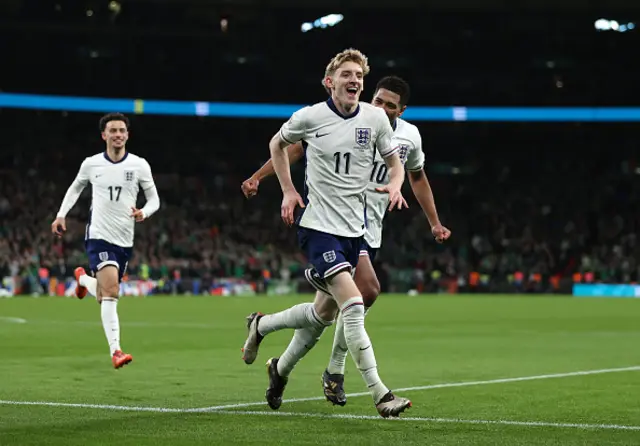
(327,253)
(103,253)
(367,250)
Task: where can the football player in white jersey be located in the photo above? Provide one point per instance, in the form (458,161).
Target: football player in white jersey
(340,136)
(116,177)
(391,94)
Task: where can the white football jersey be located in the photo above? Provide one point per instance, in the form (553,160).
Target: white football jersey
(406,139)
(339,151)
(115,188)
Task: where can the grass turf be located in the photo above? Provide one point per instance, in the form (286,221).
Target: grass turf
(187,355)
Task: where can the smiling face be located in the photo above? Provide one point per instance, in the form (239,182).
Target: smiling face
(392,95)
(389,102)
(115,134)
(346,84)
(344,78)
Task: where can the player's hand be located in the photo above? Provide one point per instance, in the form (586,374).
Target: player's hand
(289,203)
(396,200)
(440,233)
(59,226)
(250,187)
(137,214)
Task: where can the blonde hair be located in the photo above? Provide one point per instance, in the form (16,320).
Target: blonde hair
(348,55)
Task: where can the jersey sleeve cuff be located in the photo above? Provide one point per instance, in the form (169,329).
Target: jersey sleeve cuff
(415,169)
(285,139)
(390,152)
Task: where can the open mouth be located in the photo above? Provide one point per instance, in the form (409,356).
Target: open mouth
(352,92)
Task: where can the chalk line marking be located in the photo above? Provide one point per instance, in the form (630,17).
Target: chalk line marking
(15,320)
(435,420)
(228,408)
(441,386)
(620,427)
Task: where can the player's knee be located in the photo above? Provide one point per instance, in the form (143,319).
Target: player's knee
(352,313)
(368,285)
(112,291)
(370,291)
(325,307)
(342,286)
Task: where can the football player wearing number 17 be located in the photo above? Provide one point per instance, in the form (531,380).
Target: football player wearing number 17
(116,177)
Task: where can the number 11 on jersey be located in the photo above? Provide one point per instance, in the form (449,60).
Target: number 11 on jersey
(347,161)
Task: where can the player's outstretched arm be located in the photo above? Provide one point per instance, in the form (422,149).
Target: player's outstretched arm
(250,186)
(59,226)
(281,166)
(422,190)
(396,179)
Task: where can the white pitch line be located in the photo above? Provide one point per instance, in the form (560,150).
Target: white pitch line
(95,406)
(137,324)
(15,320)
(435,420)
(226,408)
(437,386)
(329,416)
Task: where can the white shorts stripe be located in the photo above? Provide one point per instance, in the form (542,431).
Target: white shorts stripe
(107,263)
(336,268)
(317,284)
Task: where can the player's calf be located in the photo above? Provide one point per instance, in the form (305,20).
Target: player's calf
(333,377)
(108,291)
(367,281)
(370,292)
(301,316)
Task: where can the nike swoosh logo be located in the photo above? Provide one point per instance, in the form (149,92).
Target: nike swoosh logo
(363,349)
(318,135)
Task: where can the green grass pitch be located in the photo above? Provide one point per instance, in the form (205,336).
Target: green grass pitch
(187,357)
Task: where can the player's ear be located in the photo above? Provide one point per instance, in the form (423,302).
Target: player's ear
(104,136)
(328,82)
(402,109)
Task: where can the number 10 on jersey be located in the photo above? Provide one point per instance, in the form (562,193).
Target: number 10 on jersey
(379,172)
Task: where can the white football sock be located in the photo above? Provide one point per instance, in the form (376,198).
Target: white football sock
(360,346)
(340,349)
(298,316)
(91,283)
(110,322)
(304,339)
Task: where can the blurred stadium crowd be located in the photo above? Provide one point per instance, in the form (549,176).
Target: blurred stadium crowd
(533,207)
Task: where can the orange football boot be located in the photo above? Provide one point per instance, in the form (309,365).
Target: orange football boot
(120,359)
(81,291)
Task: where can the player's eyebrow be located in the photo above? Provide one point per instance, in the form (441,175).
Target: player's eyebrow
(357,72)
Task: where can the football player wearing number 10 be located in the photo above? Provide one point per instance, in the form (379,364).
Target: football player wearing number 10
(392,95)
(116,177)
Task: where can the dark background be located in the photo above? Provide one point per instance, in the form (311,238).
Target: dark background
(547,200)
